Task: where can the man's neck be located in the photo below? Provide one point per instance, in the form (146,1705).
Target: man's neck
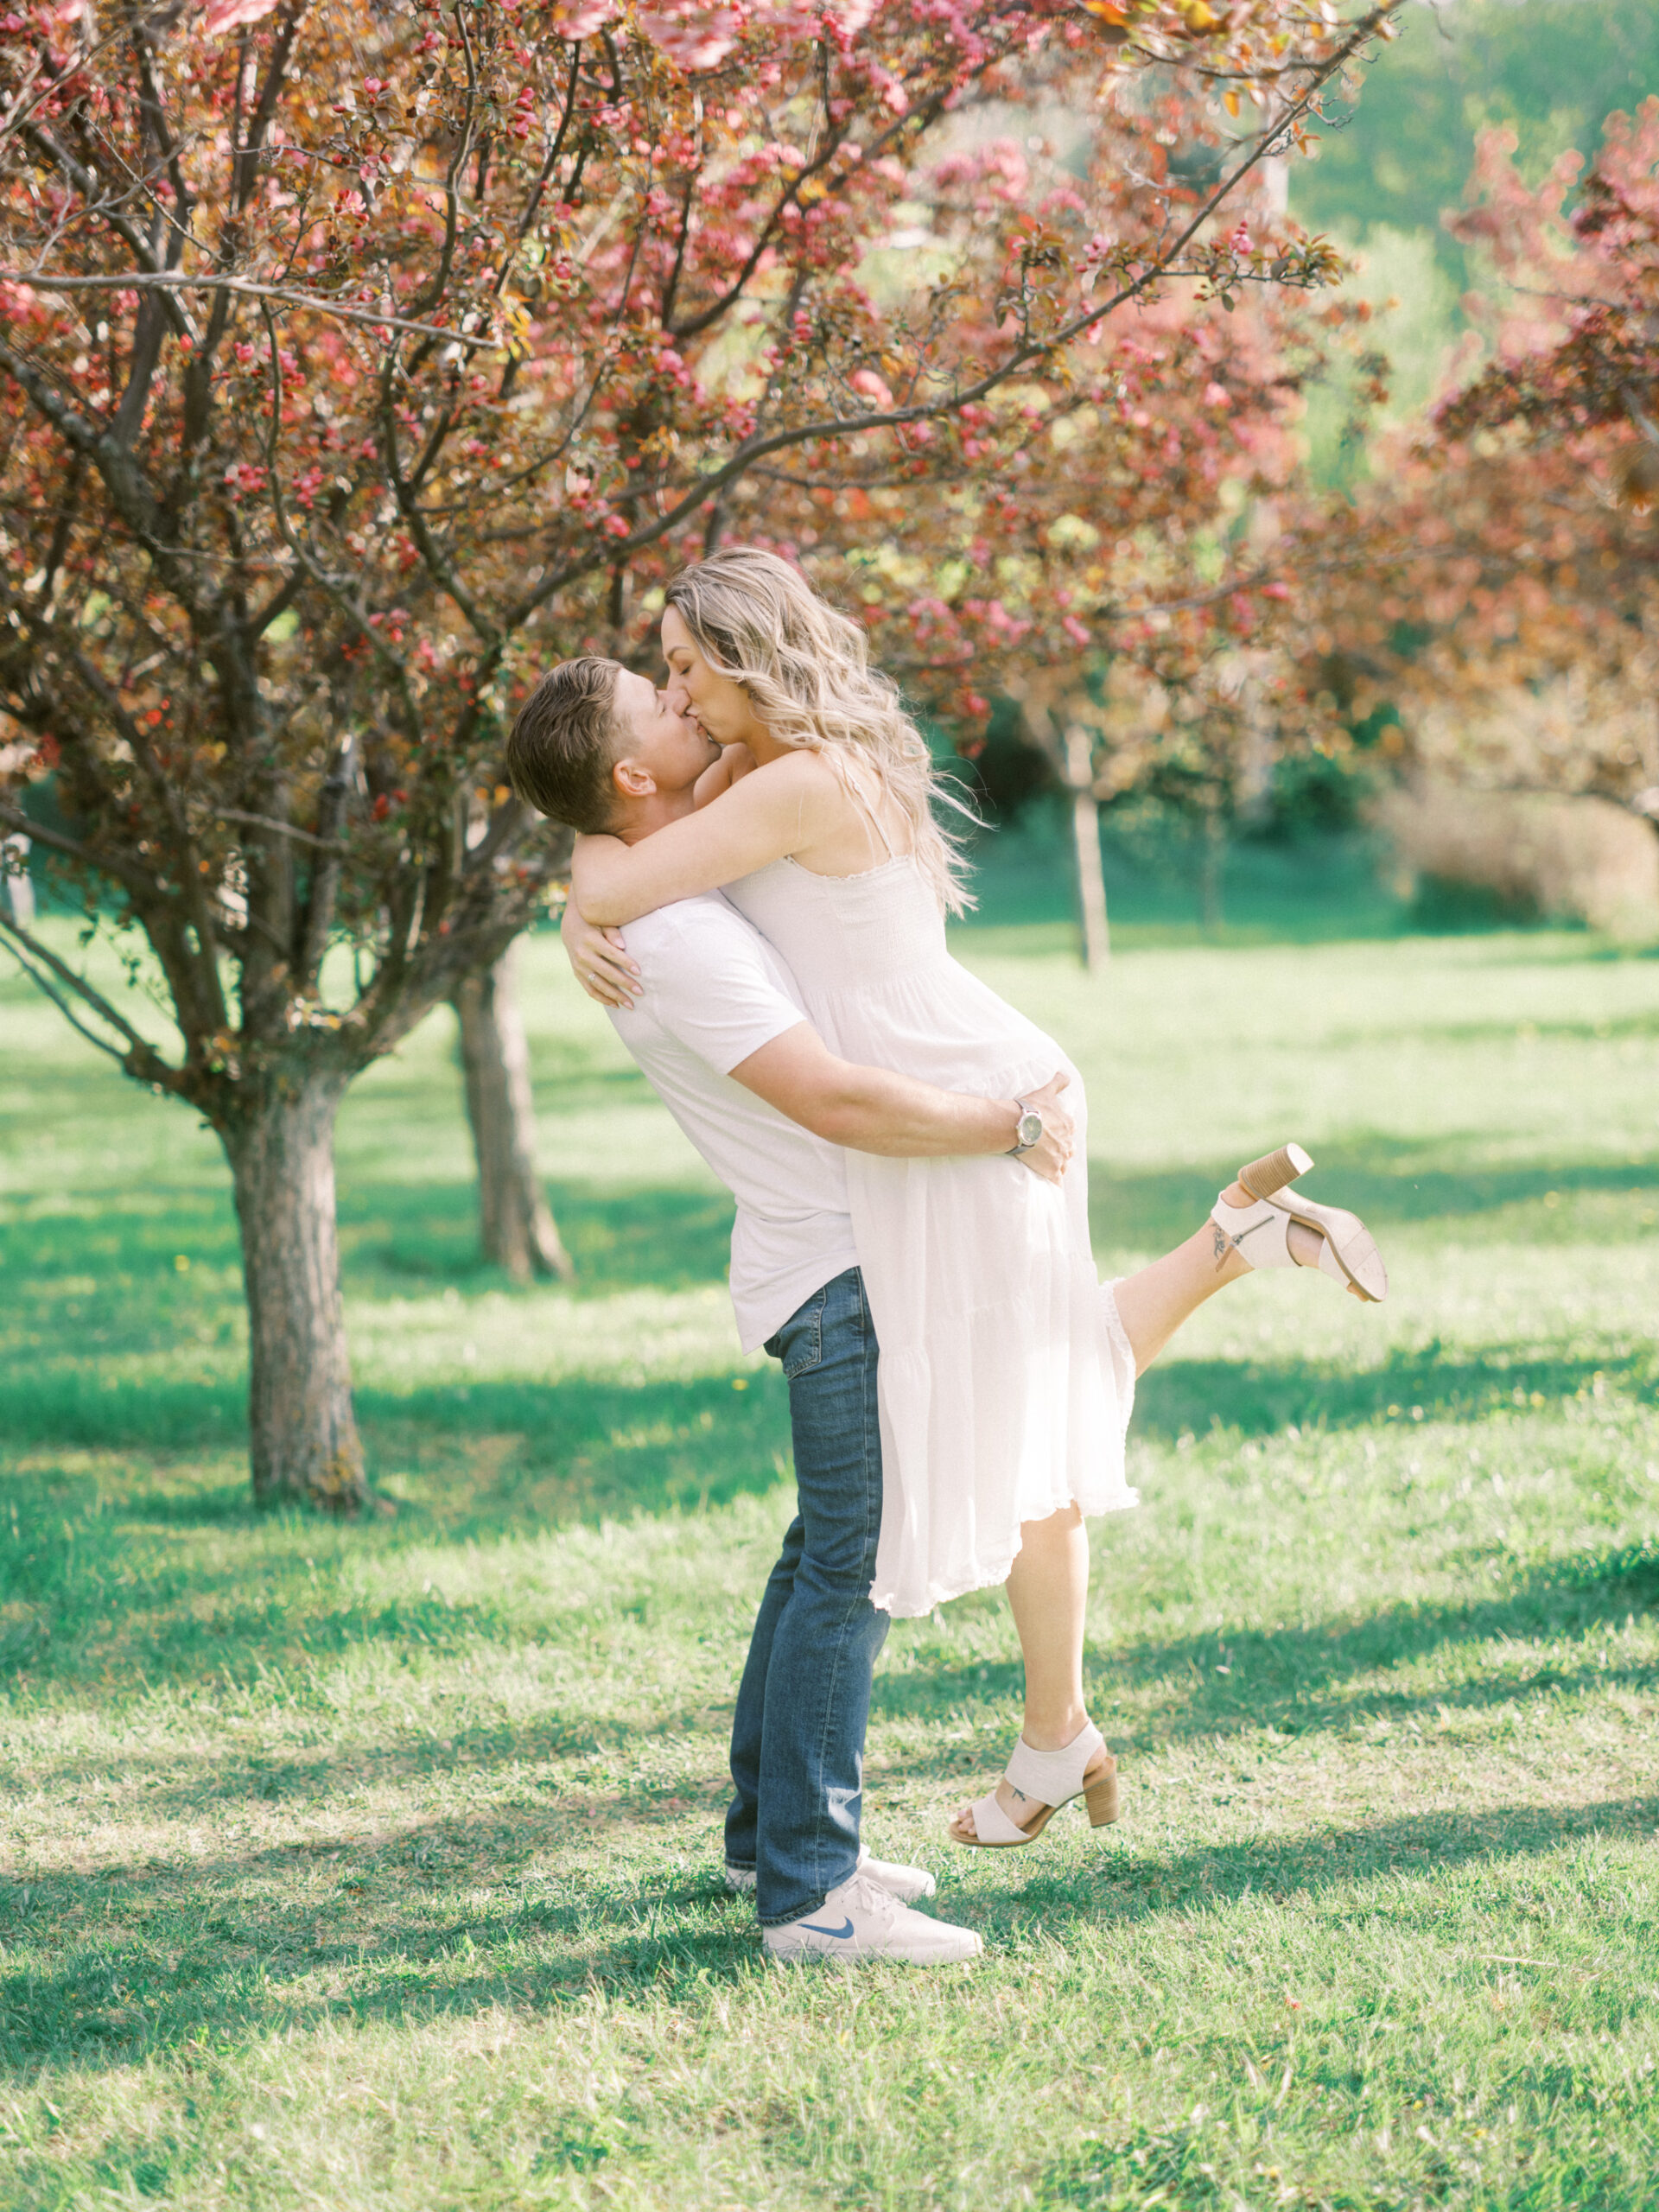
(642,816)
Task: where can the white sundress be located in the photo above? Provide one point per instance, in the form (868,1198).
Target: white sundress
(1006,1380)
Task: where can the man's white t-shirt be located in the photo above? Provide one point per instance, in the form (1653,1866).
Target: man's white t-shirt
(715,992)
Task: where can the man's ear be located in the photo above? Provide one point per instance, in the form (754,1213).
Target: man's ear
(632,779)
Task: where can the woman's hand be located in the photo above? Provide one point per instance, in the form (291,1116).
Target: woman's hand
(1051,1155)
(598,959)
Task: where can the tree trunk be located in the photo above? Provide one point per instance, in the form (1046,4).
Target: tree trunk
(301,1431)
(16,886)
(515,1225)
(1212,863)
(1085,836)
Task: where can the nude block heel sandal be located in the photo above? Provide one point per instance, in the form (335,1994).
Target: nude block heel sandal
(1263,1177)
(1260,1231)
(1101,1797)
(1083,1768)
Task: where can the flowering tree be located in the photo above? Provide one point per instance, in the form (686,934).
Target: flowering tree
(1499,582)
(1120,570)
(356,362)
(1105,538)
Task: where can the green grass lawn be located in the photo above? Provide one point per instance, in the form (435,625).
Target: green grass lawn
(380,1866)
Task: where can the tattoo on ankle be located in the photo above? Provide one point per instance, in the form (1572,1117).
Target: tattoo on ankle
(1224,1243)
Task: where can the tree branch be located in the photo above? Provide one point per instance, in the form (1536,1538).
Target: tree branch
(141,1057)
(756,447)
(283,829)
(264,106)
(86,183)
(173,280)
(120,871)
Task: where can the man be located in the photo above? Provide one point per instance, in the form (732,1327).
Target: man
(717,1025)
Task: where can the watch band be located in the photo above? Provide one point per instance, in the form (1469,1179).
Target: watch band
(1020,1146)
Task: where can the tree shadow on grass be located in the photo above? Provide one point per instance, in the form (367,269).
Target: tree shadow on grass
(146,1961)
(1296,1680)
(89,1580)
(572,1450)
(1124,1886)
(79,1406)
(103,1271)
(144,1958)
(188,1781)
(501,1458)
(408,1238)
(1261,1398)
(1300,1679)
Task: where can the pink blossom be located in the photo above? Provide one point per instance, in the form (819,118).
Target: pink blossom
(224,16)
(582,18)
(692,37)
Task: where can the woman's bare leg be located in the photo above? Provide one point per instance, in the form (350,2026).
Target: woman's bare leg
(1048,1589)
(1048,1583)
(1154,1302)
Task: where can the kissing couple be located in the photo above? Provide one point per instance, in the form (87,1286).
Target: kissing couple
(759,895)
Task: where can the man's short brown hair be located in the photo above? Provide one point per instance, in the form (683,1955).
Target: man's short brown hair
(565,743)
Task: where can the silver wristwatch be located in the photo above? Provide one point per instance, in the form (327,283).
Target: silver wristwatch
(1029,1129)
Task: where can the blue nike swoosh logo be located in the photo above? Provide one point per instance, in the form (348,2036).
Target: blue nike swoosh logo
(846,1929)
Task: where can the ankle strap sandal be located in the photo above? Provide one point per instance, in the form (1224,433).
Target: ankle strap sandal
(1046,1780)
(1260,1231)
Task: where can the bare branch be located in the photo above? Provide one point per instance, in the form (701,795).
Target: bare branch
(141,1057)
(86,183)
(319,914)
(173,280)
(439,283)
(121,871)
(264,106)
(283,829)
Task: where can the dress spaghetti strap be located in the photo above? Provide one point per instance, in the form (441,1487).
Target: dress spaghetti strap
(870,816)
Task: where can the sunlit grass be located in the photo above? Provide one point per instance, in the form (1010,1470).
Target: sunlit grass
(378,1866)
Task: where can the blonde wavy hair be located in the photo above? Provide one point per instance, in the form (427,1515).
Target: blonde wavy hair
(806,668)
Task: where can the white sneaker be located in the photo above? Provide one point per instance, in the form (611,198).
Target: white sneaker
(860,1920)
(905,1883)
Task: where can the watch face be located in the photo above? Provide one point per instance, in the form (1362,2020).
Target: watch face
(1031,1128)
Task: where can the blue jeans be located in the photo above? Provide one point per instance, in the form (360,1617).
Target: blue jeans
(803,1704)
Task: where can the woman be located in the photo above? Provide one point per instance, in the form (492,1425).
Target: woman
(1007,1375)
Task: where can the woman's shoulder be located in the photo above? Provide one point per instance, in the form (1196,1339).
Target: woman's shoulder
(803,782)
(801,767)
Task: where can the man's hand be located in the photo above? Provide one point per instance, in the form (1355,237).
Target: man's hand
(1051,1155)
(598,959)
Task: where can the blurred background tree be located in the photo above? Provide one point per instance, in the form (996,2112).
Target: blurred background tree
(1452,254)
(1497,582)
(1549,72)
(1109,562)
